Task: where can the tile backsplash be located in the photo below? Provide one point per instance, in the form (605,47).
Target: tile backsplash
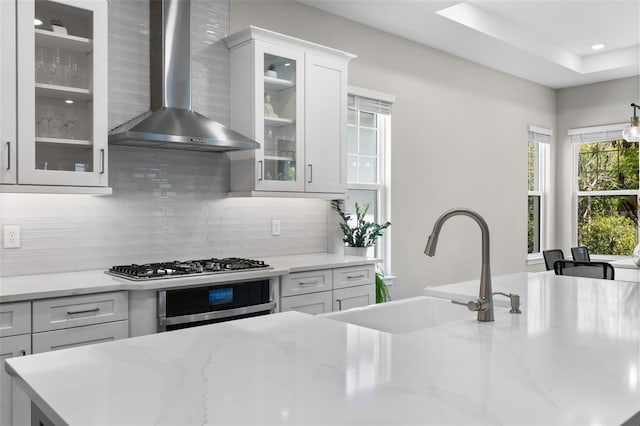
(166,204)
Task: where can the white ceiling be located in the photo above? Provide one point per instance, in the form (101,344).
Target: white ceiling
(548,42)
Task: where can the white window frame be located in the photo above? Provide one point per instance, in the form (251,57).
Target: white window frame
(542,173)
(590,135)
(383,246)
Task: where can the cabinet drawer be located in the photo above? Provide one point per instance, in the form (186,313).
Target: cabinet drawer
(353,275)
(314,303)
(306,282)
(65,312)
(354,297)
(14,346)
(80,336)
(15,318)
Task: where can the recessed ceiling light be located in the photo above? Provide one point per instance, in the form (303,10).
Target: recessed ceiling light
(68,101)
(598,46)
(37,22)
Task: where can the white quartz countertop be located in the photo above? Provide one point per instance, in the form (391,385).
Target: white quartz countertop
(31,287)
(571,358)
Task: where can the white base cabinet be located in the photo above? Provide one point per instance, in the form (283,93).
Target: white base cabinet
(328,290)
(354,297)
(51,324)
(15,340)
(312,303)
(80,336)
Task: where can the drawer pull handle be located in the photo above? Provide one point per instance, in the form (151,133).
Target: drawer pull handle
(8,155)
(308,282)
(85,311)
(351,277)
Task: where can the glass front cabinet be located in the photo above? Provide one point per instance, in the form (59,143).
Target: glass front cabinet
(277,99)
(61,79)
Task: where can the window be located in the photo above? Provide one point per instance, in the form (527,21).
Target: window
(538,160)
(368,137)
(606,190)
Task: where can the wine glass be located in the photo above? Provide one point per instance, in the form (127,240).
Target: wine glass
(54,68)
(47,117)
(40,66)
(68,127)
(71,71)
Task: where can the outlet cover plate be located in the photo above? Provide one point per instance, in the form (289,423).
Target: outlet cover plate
(11,236)
(275,227)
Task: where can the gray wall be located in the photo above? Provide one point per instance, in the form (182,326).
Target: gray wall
(459,133)
(584,106)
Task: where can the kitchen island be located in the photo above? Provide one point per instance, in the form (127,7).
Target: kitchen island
(571,357)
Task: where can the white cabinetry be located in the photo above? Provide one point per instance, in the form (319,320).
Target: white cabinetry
(8,93)
(327,290)
(289,95)
(79,320)
(15,340)
(61,134)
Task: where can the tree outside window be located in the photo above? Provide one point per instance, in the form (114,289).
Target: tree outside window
(607,196)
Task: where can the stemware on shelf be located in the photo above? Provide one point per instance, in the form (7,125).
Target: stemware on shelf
(54,68)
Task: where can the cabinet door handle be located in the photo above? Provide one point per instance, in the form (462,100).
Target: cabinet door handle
(310,173)
(84,311)
(261,174)
(339,304)
(8,155)
(102,161)
(351,277)
(23,352)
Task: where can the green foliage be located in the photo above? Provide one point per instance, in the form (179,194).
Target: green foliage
(607,224)
(382,291)
(614,234)
(358,232)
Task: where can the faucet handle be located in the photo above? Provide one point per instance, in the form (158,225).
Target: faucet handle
(473,305)
(514,299)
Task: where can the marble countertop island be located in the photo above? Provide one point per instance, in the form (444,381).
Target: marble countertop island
(571,358)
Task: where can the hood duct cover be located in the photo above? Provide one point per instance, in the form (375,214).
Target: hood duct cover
(172,123)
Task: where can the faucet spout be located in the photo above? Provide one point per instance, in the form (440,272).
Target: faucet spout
(485,313)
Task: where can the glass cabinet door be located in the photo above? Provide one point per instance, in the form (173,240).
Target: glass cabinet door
(62,92)
(282,156)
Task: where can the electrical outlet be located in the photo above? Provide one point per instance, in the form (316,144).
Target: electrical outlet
(12,236)
(275,227)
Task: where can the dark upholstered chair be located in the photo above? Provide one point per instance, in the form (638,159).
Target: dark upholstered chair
(550,256)
(580,253)
(576,268)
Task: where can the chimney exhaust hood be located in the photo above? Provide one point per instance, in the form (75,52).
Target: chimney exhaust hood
(171,123)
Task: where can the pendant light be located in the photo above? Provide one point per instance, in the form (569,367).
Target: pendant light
(632,133)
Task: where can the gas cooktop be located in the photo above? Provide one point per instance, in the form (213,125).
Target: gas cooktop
(177,268)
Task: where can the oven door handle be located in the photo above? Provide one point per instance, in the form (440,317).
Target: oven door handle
(207,316)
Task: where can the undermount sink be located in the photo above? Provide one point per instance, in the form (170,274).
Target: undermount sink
(404,315)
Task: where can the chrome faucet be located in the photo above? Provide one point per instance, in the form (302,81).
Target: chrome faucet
(484,304)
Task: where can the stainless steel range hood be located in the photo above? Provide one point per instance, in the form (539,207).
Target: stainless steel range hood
(171,123)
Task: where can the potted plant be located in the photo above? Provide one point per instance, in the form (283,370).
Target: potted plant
(360,234)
